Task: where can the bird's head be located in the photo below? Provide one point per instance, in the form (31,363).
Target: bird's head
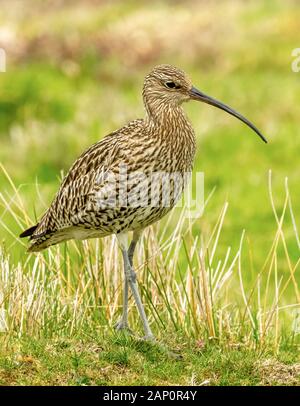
(168,86)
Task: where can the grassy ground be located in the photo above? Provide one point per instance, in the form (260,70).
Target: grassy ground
(106,358)
(227,299)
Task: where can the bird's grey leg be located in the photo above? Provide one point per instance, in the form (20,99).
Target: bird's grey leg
(130,277)
(123,323)
(131,249)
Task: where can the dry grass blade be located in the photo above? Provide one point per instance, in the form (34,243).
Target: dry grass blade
(186,284)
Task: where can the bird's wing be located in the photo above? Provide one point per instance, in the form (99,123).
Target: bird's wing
(71,201)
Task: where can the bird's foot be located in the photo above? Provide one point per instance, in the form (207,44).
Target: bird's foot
(150,338)
(123,326)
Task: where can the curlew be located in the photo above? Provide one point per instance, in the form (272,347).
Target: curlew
(110,189)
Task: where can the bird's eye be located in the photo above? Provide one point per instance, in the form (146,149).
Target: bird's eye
(172,85)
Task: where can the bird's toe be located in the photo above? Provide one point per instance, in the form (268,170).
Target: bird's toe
(122,326)
(149,337)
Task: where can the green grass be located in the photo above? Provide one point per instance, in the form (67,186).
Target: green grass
(75,74)
(106,358)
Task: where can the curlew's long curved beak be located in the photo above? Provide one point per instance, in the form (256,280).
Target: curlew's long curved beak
(195,94)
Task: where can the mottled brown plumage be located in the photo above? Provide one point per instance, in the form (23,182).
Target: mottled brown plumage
(88,206)
(162,142)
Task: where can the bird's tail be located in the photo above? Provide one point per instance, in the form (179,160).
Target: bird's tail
(39,244)
(38,241)
(41,241)
(28,232)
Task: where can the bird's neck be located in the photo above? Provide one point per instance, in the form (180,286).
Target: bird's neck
(166,117)
(171,128)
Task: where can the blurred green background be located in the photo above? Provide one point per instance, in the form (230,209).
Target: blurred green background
(75,71)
